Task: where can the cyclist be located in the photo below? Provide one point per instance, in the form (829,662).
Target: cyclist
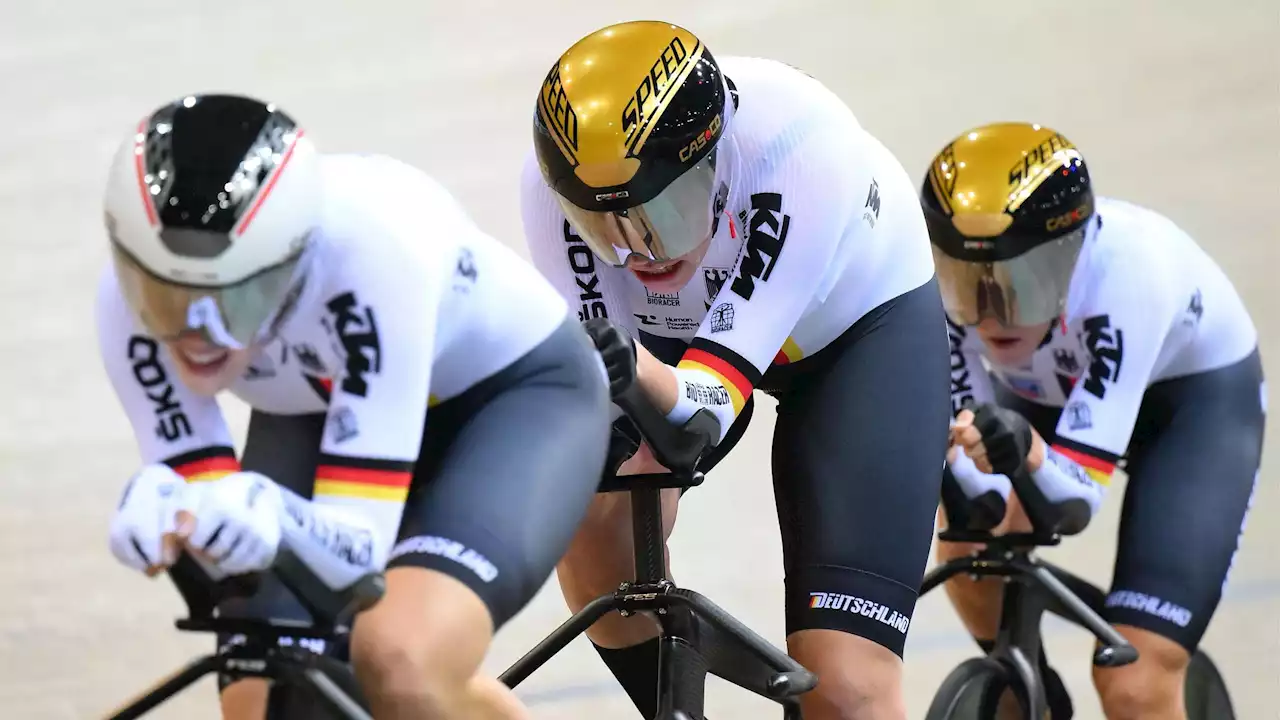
(1108,333)
(735,217)
(339,296)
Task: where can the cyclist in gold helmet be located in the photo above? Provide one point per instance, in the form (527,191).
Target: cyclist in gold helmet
(733,217)
(1111,335)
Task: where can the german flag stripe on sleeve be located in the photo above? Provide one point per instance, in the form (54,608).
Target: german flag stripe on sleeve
(789,353)
(737,375)
(205,464)
(338,476)
(1098,464)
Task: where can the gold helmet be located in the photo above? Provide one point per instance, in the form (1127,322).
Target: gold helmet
(626,132)
(1007,206)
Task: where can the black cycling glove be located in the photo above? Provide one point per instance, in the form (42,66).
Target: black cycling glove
(1006,435)
(617,349)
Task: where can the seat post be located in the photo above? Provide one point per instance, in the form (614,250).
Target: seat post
(646,532)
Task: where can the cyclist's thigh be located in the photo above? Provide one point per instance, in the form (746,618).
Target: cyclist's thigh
(857,463)
(507,471)
(1190,484)
(285,448)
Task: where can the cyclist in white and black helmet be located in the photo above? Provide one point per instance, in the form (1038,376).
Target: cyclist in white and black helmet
(339,297)
(735,218)
(1108,334)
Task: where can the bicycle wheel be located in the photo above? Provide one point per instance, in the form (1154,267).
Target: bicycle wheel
(973,691)
(1206,693)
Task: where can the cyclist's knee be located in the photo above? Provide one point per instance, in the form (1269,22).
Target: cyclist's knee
(857,677)
(245,699)
(601,554)
(1150,687)
(422,644)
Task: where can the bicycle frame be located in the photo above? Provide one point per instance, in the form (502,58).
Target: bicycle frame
(1032,587)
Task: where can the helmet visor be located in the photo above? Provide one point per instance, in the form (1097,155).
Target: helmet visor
(672,224)
(1026,290)
(232,317)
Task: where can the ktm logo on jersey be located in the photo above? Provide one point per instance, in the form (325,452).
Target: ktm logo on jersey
(357,331)
(1106,354)
(766,228)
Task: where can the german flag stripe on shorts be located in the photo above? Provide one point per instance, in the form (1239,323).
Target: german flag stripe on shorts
(350,477)
(205,464)
(737,375)
(1098,464)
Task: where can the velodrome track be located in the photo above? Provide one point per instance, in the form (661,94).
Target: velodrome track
(1175,103)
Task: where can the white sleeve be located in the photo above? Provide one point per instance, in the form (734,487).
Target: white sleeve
(382,311)
(970,383)
(171,423)
(1126,321)
(796,221)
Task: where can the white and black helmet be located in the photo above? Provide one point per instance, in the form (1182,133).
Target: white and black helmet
(210,205)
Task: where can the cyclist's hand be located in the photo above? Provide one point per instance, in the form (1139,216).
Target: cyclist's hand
(141,531)
(235,523)
(617,350)
(998,440)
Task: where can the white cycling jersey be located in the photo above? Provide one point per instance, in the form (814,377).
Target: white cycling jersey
(821,226)
(407,303)
(1145,304)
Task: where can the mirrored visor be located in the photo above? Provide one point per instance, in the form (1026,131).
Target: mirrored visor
(1026,290)
(672,224)
(231,317)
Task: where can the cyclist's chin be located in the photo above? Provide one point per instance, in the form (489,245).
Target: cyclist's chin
(1011,345)
(209,371)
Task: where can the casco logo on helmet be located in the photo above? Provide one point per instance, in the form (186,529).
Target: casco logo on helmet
(1067,219)
(703,138)
(649,95)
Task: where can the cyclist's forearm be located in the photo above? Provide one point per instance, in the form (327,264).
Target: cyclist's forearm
(337,543)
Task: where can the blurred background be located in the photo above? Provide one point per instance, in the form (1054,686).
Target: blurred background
(1176,105)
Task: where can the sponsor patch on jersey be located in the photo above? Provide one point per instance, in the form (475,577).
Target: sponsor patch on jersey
(464,271)
(961,386)
(766,227)
(682,324)
(871,208)
(1106,354)
(722,318)
(356,330)
(583,263)
(1079,417)
(665,299)
(172,423)
(342,425)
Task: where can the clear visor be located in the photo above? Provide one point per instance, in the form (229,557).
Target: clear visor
(672,224)
(232,317)
(1027,290)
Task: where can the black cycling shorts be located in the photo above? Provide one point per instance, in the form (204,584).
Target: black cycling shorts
(506,470)
(1192,466)
(858,451)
